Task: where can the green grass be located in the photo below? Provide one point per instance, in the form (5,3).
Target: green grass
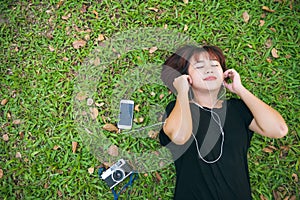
(40,69)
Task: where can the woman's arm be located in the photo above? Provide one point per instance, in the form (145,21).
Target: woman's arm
(267,121)
(178,126)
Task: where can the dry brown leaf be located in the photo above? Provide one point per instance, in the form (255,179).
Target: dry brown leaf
(78,44)
(18,155)
(138,120)
(8,115)
(59,193)
(113,150)
(17,121)
(96,13)
(152,134)
(161,96)
(267,9)
(81,96)
(5,137)
(272,29)
(268,150)
(152,49)
(110,128)
(66,17)
(97,61)
(74,146)
(185,28)
(268,43)
(158,177)
(153,9)
(274,53)
(288,56)
(186,1)
(100,37)
(65,59)
(1,173)
(4,102)
(246,16)
(136,108)
(94,113)
(293,197)
(295,177)
(56,147)
(262,197)
(51,48)
(269,60)
(91,170)
(261,22)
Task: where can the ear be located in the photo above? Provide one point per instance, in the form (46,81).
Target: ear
(190,80)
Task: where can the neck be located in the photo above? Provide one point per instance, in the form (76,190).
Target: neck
(207,99)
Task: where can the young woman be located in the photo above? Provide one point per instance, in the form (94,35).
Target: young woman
(208,136)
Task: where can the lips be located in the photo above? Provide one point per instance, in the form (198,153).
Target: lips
(210,78)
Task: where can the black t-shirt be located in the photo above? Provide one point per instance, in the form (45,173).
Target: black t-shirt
(228,178)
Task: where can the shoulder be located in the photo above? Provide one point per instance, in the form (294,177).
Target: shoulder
(240,108)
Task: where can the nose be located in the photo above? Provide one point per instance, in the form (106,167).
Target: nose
(208,70)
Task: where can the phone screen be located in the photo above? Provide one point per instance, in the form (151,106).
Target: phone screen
(126,115)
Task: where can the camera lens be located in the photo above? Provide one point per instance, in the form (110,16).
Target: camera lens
(118,175)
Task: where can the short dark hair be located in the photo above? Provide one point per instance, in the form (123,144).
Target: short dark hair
(178,63)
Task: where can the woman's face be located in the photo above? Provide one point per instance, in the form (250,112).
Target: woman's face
(206,72)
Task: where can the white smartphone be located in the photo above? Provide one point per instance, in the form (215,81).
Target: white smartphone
(126,114)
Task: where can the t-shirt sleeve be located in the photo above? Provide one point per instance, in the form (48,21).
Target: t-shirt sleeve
(163,138)
(245,112)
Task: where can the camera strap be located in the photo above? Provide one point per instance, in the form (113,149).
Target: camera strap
(133,176)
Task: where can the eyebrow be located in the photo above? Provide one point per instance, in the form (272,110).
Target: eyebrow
(202,61)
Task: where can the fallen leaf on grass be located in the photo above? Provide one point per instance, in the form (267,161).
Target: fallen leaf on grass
(185,28)
(18,155)
(272,29)
(261,22)
(267,9)
(59,193)
(5,137)
(113,150)
(138,120)
(186,1)
(78,44)
(295,177)
(96,13)
(274,53)
(110,128)
(66,17)
(136,108)
(152,134)
(262,197)
(152,49)
(91,170)
(246,16)
(74,146)
(56,147)
(51,48)
(153,9)
(94,113)
(4,102)
(158,177)
(1,173)
(17,121)
(269,149)
(268,43)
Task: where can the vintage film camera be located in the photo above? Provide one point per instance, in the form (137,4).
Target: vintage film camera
(117,173)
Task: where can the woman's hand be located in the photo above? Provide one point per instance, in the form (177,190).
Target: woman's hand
(236,85)
(182,83)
